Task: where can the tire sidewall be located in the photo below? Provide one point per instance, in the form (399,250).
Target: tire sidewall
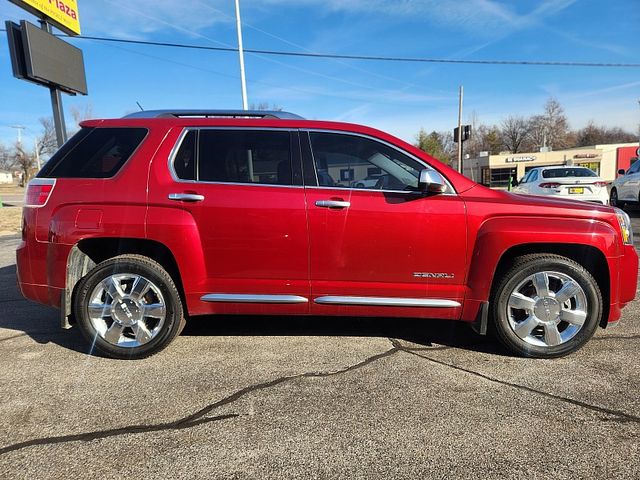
(171,298)
(578,274)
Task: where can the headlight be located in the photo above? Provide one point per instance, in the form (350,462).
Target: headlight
(625,226)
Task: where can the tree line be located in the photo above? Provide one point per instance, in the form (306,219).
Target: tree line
(517,134)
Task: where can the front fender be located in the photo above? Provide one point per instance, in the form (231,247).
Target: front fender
(497,235)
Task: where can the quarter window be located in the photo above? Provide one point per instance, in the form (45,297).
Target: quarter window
(184,163)
(244,156)
(94,153)
(348,161)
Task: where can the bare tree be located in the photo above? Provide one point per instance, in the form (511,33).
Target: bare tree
(265,106)
(594,134)
(551,129)
(513,133)
(81,114)
(24,160)
(6,160)
(46,142)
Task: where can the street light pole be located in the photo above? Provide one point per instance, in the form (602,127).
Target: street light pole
(243,80)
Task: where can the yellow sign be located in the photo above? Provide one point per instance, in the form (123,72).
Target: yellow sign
(63,14)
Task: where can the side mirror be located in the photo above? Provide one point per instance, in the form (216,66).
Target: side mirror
(621,171)
(431,182)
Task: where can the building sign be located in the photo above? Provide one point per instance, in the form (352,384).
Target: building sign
(524,158)
(586,155)
(63,14)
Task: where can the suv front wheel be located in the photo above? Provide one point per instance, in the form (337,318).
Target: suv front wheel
(546,306)
(128,307)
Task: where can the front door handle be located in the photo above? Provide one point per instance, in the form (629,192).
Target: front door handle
(186,197)
(333,204)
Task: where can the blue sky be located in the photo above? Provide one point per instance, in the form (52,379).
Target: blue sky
(396,97)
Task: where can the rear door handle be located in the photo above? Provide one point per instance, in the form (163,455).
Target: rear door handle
(186,197)
(333,204)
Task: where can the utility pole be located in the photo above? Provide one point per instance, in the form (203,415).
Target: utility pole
(460,129)
(19,128)
(243,80)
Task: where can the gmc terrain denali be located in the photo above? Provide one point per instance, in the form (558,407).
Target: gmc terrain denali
(138,222)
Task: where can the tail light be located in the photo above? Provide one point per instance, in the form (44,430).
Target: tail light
(38,192)
(600,184)
(549,185)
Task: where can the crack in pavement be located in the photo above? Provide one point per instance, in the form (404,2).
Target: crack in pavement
(617,337)
(195,418)
(13,336)
(198,418)
(622,417)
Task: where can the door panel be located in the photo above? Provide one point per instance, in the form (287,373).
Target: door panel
(387,245)
(253,232)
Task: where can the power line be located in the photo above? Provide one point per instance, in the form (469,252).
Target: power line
(361,57)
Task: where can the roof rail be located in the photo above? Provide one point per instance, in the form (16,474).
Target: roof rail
(214,114)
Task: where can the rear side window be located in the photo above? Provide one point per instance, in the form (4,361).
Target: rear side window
(245,156)
(94,153)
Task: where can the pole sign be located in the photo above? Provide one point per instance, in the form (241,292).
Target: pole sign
(63,14)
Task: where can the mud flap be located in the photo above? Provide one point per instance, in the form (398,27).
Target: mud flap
(480,324)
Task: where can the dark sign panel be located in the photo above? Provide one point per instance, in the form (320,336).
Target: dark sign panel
(16,50)
(51,61)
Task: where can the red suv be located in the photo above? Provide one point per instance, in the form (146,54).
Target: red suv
(137,222)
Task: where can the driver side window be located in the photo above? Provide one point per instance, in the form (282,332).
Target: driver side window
(349,161)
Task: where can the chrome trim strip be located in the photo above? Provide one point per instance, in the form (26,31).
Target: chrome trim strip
(250,298)
(387,301)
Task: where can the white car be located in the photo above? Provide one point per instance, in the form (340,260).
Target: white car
(570,182)
(626,188)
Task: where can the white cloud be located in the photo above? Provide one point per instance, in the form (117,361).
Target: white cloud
(139,19)
(482,16)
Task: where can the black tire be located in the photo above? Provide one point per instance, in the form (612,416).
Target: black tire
(501,314)
(613,199)
(136,265)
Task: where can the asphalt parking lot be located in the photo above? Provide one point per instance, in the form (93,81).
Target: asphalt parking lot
(248,397)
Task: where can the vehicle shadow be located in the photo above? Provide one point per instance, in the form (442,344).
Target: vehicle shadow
(41,323)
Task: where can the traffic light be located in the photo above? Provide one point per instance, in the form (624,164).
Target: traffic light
(466,133)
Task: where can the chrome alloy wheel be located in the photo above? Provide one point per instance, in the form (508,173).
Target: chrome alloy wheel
(127,310)
(547,309)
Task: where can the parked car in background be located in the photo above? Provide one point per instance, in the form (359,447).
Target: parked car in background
(567,182)
(368,182)
(626,188)
(139,222)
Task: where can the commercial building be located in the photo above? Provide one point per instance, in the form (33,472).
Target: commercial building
(497,170)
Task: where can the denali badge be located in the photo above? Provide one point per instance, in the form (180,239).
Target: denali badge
(432,275)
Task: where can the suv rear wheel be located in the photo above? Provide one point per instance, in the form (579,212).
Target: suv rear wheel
(546,306)
(128,307)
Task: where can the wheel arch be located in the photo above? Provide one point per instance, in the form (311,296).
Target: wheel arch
(88,252)
(590,257)
(499,240)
